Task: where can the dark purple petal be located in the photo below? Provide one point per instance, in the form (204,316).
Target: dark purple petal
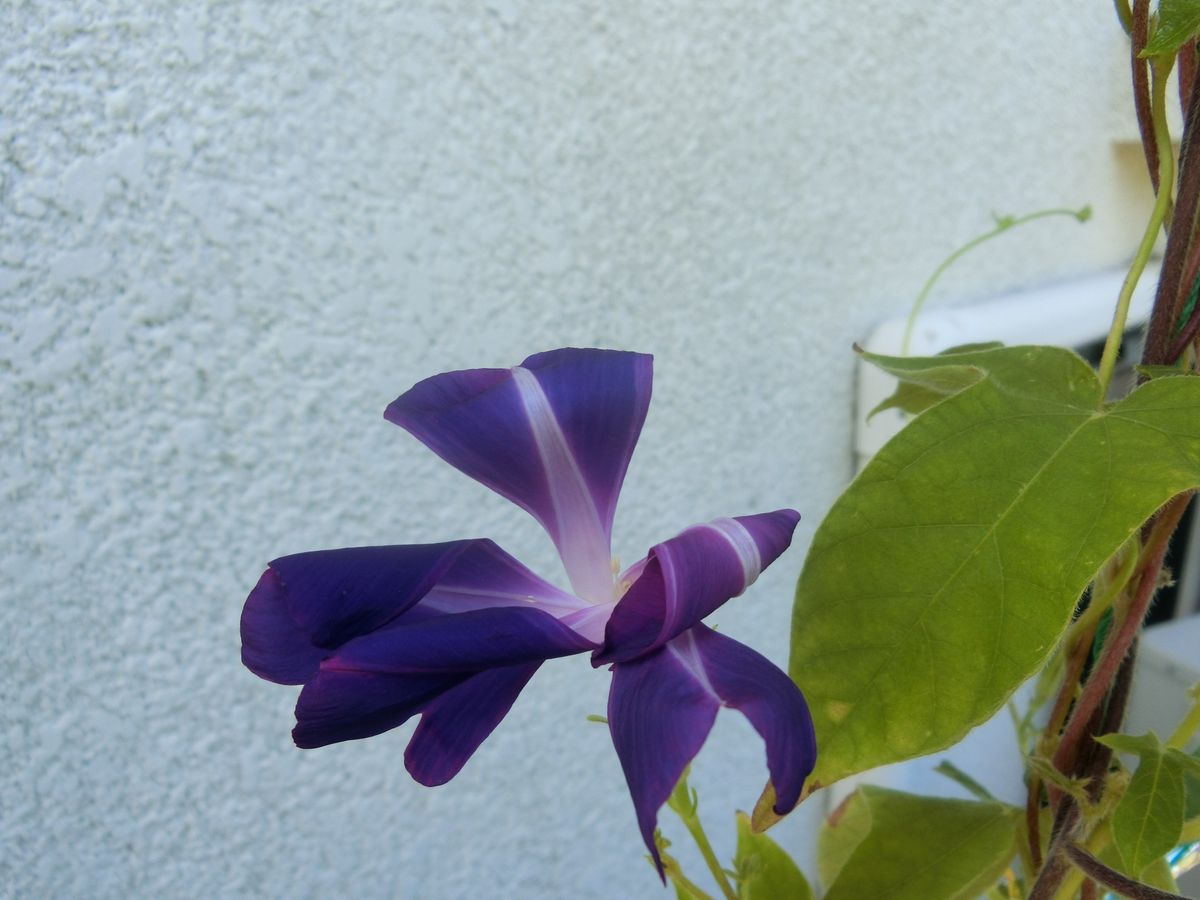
(750,683)
(485,576)
(686,578)
(661,708)
(454,725)
(345,705)
(659,715)
(553,435)
(307,605)
(465,642)
(379,680)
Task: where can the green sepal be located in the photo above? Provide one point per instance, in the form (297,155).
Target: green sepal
(885,843)
(764,871)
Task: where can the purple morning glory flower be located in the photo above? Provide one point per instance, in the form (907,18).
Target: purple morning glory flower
(454,631)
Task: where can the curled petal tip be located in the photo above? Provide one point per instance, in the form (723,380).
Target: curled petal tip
(662,707)
(690,576)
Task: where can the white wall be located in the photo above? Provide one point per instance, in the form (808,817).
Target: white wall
(230,234)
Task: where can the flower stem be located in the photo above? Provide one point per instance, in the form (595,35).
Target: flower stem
(696,830)
(1162,202)
(684,802)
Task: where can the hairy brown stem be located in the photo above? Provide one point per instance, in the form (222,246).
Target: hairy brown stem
(1033,825)
(1187,74)
(1141,86)
(1114,880)
(1172,289)
(1119,640)
(1185,337)
(1057,865)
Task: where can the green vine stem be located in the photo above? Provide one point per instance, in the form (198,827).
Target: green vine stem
(1173,289)
(684,802)
(1003,224)
(682,883)
(1190,724)
(1162,202)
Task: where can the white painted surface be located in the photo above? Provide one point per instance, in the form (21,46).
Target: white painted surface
(230,234)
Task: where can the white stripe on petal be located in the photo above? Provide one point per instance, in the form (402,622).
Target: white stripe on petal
(684,649)
(743,545)
(578,533)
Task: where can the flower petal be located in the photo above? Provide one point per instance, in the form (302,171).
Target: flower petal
(554,435)
(750,683)
(307,605)
(485,576)
(659,715)
(379,680)
(454,725)
(688,577)
(661,708)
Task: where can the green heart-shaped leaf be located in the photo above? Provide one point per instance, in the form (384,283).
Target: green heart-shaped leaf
(945,574)
(885,843)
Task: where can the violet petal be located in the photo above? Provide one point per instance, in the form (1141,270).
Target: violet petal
(454,725)
(307,605)
(691,575)
(661,708)
(553,435)
(659,716)
(379,680)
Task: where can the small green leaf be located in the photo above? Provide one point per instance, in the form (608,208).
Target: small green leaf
(1149,818)
(923,385)
(1152,372)
(1192,781)
(910,847)
(841,833)
(1189,762)
(963,780)
(909,398)
(1178,23)
(1139,745)
(1075,787)
(947,572)
(763,870)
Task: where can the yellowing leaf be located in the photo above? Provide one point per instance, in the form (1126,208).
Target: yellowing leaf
(946,573)
(908,847)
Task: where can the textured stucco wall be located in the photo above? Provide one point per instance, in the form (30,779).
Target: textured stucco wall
(231,233)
